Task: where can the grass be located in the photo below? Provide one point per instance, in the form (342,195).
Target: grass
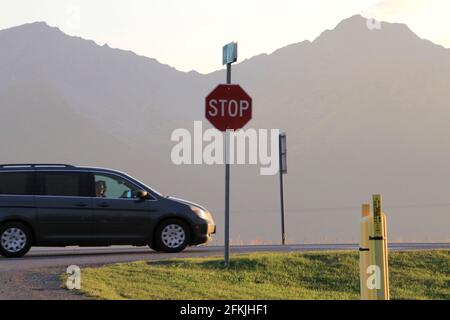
(313,275)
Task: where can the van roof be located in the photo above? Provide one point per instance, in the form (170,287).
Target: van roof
(49,166)
(34,165)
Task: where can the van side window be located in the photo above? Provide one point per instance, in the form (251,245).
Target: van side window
(64,184)
(17,183)
(109,186)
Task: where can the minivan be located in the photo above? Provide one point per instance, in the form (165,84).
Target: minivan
(57,205)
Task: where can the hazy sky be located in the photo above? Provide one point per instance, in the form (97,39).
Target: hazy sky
(189,34)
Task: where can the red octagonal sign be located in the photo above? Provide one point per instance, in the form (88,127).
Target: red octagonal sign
(228,107)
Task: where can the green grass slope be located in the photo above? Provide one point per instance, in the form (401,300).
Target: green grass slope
(313,275)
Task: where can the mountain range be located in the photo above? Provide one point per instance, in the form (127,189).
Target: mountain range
(366,111)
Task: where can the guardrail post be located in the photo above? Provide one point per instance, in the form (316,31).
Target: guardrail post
(374,271)
(378,250)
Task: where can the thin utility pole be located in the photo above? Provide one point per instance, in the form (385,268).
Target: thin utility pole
(283,170)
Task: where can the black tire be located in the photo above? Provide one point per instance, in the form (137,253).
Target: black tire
(178,243)
(24,233)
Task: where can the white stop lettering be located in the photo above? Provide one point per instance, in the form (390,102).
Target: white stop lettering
(231,108)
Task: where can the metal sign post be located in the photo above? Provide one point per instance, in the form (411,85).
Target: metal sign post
(229,56)
(283,170)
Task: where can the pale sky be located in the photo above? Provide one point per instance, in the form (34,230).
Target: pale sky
(189,34)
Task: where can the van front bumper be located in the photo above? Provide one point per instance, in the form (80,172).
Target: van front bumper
(203,233)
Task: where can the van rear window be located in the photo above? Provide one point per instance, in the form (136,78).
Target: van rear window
(16,183)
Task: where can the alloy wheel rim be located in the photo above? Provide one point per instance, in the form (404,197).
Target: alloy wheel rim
(13,240)
(173,236)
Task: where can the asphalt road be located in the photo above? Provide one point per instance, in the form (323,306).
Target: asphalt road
(37,275)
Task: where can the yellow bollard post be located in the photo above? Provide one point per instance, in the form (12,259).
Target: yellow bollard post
(378,252)
(364,252)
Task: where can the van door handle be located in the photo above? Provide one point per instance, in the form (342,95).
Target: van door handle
(81,204)
(103,205)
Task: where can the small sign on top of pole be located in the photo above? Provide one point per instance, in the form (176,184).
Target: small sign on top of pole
(229,53)
(283,152)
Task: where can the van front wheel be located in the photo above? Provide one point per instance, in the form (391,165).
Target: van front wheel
(172,235)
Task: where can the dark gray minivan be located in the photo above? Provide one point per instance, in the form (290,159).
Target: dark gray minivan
(64,205)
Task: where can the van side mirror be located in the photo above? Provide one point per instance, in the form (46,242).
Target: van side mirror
(142,194)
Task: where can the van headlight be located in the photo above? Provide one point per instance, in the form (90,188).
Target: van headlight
(201,213)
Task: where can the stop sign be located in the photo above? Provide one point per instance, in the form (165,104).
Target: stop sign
(228,107)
